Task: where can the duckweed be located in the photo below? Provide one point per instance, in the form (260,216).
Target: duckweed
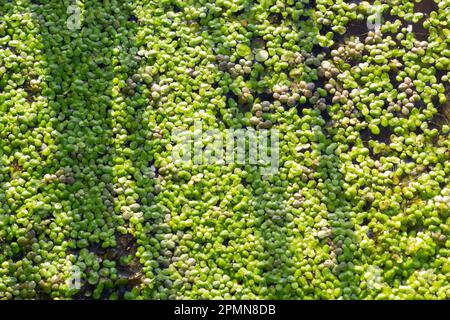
(94,206)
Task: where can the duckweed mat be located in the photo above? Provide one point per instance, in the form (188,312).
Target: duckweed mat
(93,204)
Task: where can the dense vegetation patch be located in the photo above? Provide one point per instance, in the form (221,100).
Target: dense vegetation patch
(91,91)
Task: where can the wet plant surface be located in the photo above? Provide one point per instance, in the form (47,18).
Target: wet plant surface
(94,206)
